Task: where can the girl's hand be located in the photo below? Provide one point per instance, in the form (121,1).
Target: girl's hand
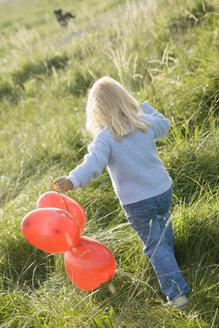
(63,184)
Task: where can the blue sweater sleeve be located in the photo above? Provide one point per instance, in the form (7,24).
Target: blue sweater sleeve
(93,164)
(160,123)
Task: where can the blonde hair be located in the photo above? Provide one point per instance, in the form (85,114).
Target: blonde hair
(110,105)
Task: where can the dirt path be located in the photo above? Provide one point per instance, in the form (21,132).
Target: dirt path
(110,17)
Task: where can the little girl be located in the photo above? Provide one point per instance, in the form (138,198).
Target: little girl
(125,134)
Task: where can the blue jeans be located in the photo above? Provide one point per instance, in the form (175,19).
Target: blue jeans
(150,218)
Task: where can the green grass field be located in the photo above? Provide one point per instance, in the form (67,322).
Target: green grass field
(165,51)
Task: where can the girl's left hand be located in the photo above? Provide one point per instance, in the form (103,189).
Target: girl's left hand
(63,184)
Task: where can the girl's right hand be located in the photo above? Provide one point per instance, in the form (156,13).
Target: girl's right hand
(63,184)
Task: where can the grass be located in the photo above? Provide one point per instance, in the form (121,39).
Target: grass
(164,51)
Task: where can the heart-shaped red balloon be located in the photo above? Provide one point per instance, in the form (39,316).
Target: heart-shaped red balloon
(90,264)
(58,200)
(52,230)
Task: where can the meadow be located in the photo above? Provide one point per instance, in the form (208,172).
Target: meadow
(163,51)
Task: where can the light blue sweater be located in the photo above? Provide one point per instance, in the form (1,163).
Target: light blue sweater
(135,169)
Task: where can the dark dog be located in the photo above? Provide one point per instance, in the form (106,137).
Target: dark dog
(63,18)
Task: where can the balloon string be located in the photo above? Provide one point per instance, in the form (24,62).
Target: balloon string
(63,196)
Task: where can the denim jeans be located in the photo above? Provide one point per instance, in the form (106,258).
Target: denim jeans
(150,218)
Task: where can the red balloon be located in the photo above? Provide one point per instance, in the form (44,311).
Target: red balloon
(89,264)
(52,230)
(58,200)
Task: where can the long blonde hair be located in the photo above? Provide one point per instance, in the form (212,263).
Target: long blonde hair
(111,106)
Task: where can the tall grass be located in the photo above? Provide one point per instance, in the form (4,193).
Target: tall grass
(163,51)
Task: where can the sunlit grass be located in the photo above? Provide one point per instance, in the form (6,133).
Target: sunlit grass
(164,51)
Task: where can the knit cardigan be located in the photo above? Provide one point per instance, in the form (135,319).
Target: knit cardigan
(133,163)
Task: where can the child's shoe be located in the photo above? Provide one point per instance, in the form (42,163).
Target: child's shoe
(178,302)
